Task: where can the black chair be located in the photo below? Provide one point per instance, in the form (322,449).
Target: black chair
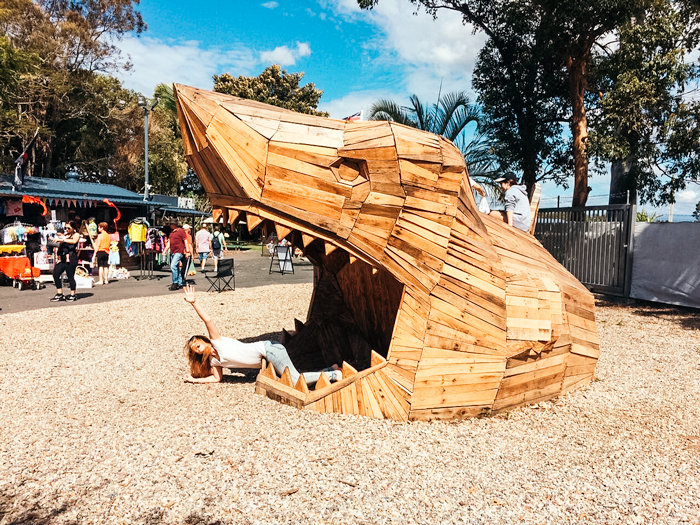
(221,281)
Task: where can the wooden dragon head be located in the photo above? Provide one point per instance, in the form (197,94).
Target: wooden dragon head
(437,311)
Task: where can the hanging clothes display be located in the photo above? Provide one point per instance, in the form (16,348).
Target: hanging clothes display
(138,229)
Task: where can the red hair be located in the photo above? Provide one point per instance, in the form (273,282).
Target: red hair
(200,364)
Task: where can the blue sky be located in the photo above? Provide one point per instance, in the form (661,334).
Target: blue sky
(354,56)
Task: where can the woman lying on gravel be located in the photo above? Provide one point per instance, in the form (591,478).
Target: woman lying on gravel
(209,355)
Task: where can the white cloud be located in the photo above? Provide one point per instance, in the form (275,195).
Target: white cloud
(354,102)
(270,5)
(430,50)
(285,56)
(157,61)
(687,196)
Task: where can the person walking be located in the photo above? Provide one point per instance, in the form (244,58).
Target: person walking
(179,248)
(203,245)
(101,258)
(67,261)
(218,247)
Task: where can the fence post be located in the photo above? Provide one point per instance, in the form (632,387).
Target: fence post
(629,258)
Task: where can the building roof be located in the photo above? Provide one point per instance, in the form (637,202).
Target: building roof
(68,189)
(73,189)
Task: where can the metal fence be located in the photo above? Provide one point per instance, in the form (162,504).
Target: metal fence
(594,243)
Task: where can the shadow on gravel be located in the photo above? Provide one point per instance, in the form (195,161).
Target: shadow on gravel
(33,509)
(16,509)
(687,318)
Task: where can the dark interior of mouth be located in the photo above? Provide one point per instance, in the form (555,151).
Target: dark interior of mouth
(353,311)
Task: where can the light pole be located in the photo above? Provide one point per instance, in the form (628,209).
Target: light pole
(143,103)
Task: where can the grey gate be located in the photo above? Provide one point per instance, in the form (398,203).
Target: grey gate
(594,243)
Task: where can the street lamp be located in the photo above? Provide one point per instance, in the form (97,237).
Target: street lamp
(143,103)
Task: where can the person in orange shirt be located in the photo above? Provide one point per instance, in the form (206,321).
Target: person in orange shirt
(102,252)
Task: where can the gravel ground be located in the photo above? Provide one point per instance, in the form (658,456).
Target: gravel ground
(96,426)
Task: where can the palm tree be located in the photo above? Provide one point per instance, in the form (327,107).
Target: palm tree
(449,117)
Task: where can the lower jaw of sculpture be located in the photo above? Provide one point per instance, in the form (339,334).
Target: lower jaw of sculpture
(349,323)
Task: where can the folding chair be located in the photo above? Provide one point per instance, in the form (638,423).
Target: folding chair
(221,281)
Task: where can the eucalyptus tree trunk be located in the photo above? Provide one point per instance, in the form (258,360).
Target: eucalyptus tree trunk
(577,69)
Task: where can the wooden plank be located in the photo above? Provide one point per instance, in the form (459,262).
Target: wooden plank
(281,390)
(372,407)
(391,407)
(252,221)
(462,395)
(282,231)
(362,407)
(330,388)
(301,385)
(308,134)
(286,378)
(448,413)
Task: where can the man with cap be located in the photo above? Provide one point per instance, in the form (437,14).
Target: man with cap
(179,248)
(517,211)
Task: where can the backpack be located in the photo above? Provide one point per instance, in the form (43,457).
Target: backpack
(215,242)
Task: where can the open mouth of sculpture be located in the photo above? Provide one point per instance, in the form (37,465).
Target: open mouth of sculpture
(353,307)
(352,312)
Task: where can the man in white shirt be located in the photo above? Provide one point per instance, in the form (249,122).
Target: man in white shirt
(203,244)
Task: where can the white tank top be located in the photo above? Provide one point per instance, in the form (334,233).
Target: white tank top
(234,354)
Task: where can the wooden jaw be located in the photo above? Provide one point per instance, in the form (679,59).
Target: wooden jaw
(368,392)
(472,315)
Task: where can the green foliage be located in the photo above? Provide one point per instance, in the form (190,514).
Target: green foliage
(84,116)
(449,116)
(643,121)
(644,216)
(696,213)
(523,96)
(533,74)
(273,86)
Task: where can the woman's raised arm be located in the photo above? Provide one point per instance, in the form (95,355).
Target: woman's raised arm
(203,315)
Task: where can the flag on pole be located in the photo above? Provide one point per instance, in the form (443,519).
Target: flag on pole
(354,117)
(21,162)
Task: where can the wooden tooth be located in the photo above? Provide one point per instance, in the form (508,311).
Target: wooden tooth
(307,239)
(374,270)
(286,378)
(286,337)
(330,248)
(322,382)
(233,218)
(352,259)
(253,221)
(376,359)
(301,385)
(348,370)
(216,214)
(298,325)
(270,372)
(282,231)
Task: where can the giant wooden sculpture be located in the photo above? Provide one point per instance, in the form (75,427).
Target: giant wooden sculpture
(437,312)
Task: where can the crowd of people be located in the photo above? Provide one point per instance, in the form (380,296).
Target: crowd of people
(180,244)
(183,248)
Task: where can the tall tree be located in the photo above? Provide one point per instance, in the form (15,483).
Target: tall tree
(70,98)
(524,98)
(449,116)
(273,86)
(643,124)
(563,33)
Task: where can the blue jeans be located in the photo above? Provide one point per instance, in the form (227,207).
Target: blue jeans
(175,259)
(276,354)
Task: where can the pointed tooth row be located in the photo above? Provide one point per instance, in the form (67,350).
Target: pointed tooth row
(253,221)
